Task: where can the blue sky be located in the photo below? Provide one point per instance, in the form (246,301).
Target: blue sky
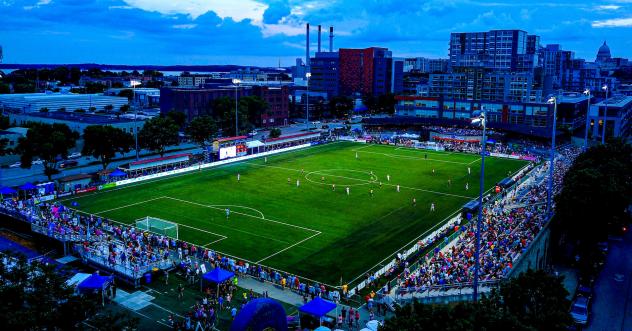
(262,32)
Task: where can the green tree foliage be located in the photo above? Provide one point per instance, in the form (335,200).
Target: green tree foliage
(114,321)
(340,106)
(275,133)
(202,129)
(103,142)
(177,117)
(532,301)
(158,133)
(382,104)
(108,108)
(4,122)
(597,189)
(4,142)
(35,296)
(124,109)
(127,93)
(49,142)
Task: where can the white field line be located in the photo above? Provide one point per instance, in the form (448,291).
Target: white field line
(359,148)
(405,157)
(475,161)
(214,241)
(125,206)
(238,213)
(285,249)
(375,181)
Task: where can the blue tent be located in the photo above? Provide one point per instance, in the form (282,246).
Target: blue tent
(7,190)
(95,282)
(318,307)
(218,275)
(28,186)
(118,173)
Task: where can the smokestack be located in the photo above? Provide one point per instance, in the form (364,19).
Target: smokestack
(331,39)
(307,46)
(319,38)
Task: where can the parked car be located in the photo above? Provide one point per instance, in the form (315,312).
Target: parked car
(75,155)
(585,291)
(15,165)
(68,163)
(579,310)
(37,162)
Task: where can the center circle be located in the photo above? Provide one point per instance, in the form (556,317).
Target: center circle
(341,177)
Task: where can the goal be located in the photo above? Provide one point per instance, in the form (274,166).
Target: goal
(159,226)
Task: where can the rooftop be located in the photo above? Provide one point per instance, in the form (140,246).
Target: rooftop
(80,117)
(617,101)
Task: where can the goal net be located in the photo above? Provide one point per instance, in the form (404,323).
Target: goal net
(159,226)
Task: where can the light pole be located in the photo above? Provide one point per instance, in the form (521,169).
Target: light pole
(236,82)
(307,76)
(605,115)
(549,196)
(134,83)
(482,120)
(587,92)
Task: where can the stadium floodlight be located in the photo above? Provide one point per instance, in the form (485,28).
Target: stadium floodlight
(552,100)
(587,93)
(236,81)
(605,114)
(480,119)
(134,83)
(549,196)
(307,76)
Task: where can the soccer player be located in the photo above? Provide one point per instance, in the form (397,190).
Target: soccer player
(450,182)
(388,178)
(289,180)
(227,212)
(433,171)
(333,187)
(414,202)
(356,155)
(302,171)
(467,186)
(265,159)
(380,184)
(371,192)
(432,207)
(397,187)
(298,183)
(322,179)
(426,156)
(469,170)
(347,190)
(238,176)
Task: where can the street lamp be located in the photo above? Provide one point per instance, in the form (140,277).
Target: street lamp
(236,82)
(587,93)
(134,83)
(605,114)
(549,196)
(480,120)
(307,76)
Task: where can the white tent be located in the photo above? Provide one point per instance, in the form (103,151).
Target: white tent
(77,279)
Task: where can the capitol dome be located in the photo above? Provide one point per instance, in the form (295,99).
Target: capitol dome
(603,54)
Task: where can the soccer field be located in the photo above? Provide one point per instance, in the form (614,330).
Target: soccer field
(310,229)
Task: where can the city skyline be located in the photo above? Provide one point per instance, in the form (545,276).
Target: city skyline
(264,32)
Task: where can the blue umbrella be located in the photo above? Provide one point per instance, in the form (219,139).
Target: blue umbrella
(28,186)
(118,173)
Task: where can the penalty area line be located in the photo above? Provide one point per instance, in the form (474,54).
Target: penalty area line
(285,249)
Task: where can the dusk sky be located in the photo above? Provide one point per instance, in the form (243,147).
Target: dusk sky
(260,32)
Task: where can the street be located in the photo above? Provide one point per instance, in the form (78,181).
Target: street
(611,308)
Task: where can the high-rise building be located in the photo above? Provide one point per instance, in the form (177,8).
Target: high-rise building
(325,73)
(425,65)
(367,71)
(506,50)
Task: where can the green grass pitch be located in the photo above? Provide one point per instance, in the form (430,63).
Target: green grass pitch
(310,230)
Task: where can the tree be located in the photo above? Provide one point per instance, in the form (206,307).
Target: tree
(4,142)
(532,301)
(62,109)
(275,133)
(177,117)
(202,129)
(124,108)
(114,321)
(43,110)
(108,108)
(597,189)
(103,142)
(127,93)
(36,297)
(80,110)
(49,142)
(158,133)
(4,122)
(340,106)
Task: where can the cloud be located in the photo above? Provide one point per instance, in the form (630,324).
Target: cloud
(238,10)
(625,22)
(608,7)
(276,12)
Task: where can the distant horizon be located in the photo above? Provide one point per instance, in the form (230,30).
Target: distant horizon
(263,32)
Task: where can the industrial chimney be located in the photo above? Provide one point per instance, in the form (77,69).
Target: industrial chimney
(307,46)
(318,38)
(331,39)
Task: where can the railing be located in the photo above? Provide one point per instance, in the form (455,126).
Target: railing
(454,290)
